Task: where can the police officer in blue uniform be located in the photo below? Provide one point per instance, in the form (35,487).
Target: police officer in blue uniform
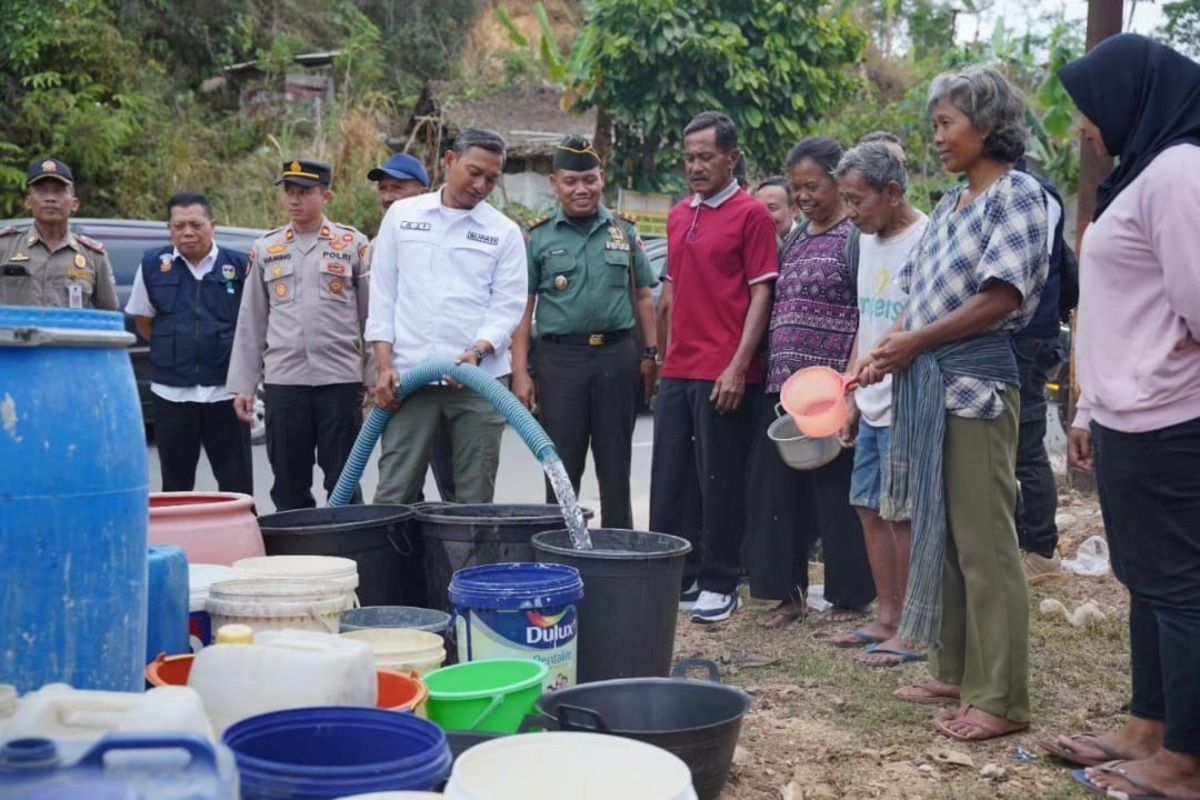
(185,300)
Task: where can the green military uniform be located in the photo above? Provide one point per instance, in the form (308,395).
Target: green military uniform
(77,274)
(587,354)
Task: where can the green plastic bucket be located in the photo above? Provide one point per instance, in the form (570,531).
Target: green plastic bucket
(485,696)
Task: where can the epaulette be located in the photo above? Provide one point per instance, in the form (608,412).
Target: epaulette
(273,231)
(350,228)
(89,243)
(540,221)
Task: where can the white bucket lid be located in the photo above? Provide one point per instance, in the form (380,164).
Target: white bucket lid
(402,643)
(200,578)
(342,571)
(536,766)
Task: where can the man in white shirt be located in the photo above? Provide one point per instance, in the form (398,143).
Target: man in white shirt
(872,179)
(185,301)
(449,280)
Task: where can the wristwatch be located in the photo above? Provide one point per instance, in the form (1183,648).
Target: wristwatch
(480,355)
(650,353)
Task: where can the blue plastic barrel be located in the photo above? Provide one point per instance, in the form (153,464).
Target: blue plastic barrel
(74,502)
(521,611)
(168,618)
(320,753)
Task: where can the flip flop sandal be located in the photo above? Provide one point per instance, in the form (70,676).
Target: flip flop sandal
(925,698)
(989,731)
(1114,768)
(856,638)
(1070,756)
(903,656)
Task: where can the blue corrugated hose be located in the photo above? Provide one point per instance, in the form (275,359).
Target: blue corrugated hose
(429,372)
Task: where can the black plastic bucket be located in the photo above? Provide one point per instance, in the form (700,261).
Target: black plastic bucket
(631,594)
(458,536)
(379,538)
(699,721)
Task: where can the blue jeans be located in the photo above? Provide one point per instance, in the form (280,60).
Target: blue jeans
(871,453)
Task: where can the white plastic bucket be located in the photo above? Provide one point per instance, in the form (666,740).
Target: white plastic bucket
(327,569)
(56,711)
(403,649)
(200,578)
(280,670)
(582,766)
(277,604)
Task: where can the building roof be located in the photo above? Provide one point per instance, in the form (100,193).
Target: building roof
(530,119)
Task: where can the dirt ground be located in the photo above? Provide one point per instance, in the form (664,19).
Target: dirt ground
(823,726)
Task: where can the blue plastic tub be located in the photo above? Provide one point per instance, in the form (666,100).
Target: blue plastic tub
(320,753)
(75,509)
(167,625)
(519,611)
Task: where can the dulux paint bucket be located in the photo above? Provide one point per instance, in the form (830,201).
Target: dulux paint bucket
(519,611)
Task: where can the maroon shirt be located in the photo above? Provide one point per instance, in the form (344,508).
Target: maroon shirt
(716,250)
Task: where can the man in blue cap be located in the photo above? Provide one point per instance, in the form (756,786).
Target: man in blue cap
(400,177)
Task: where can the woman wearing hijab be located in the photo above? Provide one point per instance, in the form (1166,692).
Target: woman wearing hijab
(1138,424)
(974,278)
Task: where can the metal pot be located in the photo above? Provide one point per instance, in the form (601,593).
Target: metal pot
(797,450)
(699,721)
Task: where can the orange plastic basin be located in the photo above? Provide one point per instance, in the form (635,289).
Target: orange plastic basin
(397,691)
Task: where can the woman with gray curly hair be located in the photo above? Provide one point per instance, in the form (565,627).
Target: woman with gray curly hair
(974,278)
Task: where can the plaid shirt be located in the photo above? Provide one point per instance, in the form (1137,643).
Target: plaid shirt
(1001,236)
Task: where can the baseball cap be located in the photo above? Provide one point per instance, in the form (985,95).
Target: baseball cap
(402,167)
(51,168)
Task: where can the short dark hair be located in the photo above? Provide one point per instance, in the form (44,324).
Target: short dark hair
(183,199)
(824,151)
(482,138)
(881,136)
(778,181)
(726,131)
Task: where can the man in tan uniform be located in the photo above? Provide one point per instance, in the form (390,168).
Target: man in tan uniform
(47,265)
(300,330)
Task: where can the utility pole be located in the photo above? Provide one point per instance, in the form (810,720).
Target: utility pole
(1104,20)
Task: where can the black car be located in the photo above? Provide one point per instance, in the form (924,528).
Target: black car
(126,241)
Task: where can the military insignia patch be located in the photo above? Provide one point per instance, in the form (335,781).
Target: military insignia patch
(335,268)
(326,233)
(19,257)
(290,235)
(80,261)
(277,272)
(336,286)
(281,290)
(347,237)
(275,249)
(229,272)
(336,245)
(560,282)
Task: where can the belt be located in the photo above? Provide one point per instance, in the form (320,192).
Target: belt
(589,339)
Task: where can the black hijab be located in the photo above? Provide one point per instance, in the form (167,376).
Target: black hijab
(1143,96)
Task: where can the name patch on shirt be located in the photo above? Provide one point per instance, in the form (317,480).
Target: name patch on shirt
(413,225)
(483,238)
(561,251)
(335,256)
(279,257)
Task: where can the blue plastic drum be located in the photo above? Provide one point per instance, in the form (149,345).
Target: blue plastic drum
(74,502)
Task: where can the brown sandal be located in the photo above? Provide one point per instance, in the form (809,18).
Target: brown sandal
(782,615)
(923,695)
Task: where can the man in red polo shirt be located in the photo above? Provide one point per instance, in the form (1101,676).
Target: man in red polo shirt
(721,265)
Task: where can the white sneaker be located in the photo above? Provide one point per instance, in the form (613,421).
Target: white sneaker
(688,597)
(715,607)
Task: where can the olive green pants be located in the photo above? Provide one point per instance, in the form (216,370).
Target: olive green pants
(407,445)
(983,643)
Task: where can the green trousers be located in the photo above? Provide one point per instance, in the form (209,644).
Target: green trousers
(983,643)
(407,444)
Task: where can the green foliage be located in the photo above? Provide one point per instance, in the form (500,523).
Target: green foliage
(774,66)
(1182,28)
(550,61)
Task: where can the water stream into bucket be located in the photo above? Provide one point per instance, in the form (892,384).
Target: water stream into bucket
(567,502)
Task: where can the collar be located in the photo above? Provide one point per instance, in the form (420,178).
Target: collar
(324,232)
(208,260)
(717,199)
(475,213)
(33,236)
(603,217)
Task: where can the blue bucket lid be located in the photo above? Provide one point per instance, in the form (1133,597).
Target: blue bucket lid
(512,587)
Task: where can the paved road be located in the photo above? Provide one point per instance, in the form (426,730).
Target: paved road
(519,479)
